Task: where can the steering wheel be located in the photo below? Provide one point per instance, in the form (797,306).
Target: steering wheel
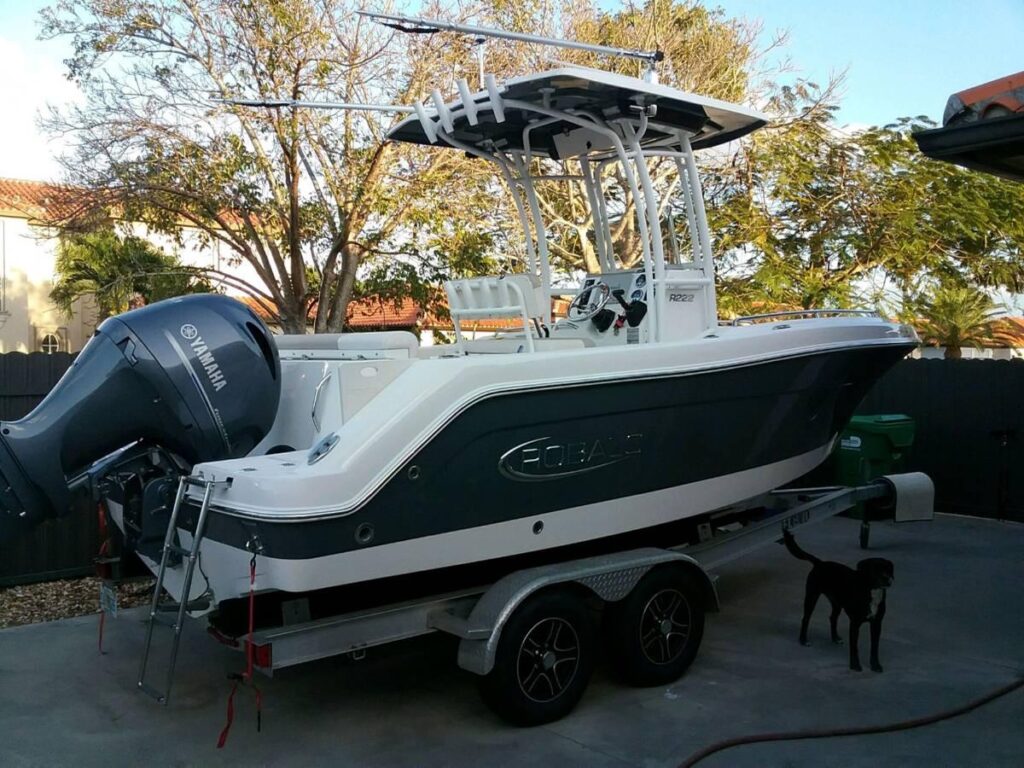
(577,312)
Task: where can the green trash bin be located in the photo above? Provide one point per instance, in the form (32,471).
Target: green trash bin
(872,446)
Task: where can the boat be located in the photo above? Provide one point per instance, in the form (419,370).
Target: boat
(364,461)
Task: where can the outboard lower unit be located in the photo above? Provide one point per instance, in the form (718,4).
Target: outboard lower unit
(196,376)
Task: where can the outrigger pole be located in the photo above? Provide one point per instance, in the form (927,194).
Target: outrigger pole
(416,25)
(316,105)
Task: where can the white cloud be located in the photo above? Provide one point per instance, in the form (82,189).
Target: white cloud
(32,78)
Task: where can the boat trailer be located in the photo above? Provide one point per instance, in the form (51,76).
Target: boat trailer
(488,619)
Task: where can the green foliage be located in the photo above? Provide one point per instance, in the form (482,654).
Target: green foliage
(955,316)
(117,272)
(813,215)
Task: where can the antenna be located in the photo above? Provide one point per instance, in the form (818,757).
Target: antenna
(416,25)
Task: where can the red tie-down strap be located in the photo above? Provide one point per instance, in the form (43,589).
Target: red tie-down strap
(245,678)
(102,569)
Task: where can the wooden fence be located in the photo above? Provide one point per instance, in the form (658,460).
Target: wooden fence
(58,548)
(970,435)
(970,440)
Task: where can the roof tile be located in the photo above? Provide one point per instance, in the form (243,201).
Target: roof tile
(42,201)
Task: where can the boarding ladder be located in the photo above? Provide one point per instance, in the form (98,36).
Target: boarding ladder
(172,615)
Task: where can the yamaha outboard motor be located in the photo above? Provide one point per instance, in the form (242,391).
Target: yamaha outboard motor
(198,376)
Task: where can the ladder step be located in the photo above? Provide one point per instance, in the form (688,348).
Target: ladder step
(199,604)
(151,691)
(178,550)
(165,618)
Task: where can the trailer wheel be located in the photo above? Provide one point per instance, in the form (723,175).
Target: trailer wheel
(543,661)
(654,633)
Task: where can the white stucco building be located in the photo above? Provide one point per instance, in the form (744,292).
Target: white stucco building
(29,322)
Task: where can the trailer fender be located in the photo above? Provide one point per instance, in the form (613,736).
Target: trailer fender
(609,577)
(912,496)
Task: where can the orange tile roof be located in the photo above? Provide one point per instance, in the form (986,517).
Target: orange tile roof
(370,313)
(373,312)
(65,205)
(259,306)
(42,201)
(434,322)
(1007,332)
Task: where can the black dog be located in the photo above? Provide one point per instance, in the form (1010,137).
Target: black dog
(861,593)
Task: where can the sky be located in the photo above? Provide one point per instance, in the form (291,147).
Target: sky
(901,58)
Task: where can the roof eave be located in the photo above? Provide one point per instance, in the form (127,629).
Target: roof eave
(995,145)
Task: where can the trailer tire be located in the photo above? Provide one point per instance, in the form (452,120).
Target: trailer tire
(654,633)
(544,659)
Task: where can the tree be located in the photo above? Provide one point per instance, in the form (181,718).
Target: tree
(317,202)
(305,197)
(957,316)
(324,209)
(116,271)
(817,216)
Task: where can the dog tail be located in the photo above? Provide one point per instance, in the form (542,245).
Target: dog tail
(794,548)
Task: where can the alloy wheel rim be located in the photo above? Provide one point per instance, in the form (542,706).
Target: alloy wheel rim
(548,660)
(665,626)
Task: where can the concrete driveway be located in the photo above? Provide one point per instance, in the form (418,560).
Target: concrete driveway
(954,631)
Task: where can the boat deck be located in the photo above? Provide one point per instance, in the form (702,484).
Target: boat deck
(952,633)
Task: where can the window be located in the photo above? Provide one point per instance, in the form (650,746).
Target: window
(50,343)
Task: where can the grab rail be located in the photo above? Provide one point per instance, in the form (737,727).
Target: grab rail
(747,319)
(316,399)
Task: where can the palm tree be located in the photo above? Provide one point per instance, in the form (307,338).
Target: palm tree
(958,316)
(117,272)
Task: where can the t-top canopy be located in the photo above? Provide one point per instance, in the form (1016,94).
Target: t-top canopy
(708,122)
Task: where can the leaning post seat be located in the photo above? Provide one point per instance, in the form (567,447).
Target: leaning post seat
(507,296)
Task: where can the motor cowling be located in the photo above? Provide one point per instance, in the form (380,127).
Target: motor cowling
(197,375)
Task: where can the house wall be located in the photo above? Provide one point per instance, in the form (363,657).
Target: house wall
(27,261)
(28,255)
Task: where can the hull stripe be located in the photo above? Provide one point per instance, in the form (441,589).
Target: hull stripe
(226,566)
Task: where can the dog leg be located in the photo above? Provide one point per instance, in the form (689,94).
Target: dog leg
(833,621)
(876,634)
(854,637)
(810,600)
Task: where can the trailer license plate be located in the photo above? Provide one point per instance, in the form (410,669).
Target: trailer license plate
(798,519)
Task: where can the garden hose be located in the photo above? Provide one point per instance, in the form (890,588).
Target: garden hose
(829,733)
